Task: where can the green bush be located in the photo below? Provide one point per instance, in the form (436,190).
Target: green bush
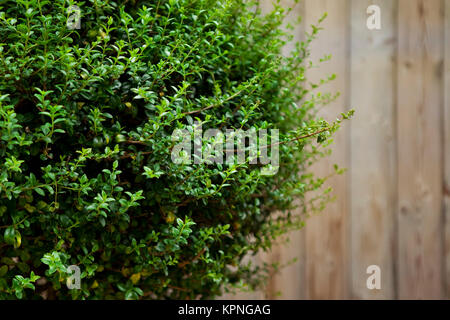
(87,117)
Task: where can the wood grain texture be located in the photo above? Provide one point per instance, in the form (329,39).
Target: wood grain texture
(447,148)
(327,234)
(419,131)
(372,165)
(393,206)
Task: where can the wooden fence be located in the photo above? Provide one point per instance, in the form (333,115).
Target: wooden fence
(393,203)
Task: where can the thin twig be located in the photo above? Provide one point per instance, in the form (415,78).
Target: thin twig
(185,263)
(214,105)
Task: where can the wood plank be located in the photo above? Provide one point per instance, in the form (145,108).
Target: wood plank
(327,233)
(447,147)
(419,131)
(372,166)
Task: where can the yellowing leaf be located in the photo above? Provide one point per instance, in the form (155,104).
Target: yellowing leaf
(102,34)
(135,278)
(125,272)
(17,240)
(170,218)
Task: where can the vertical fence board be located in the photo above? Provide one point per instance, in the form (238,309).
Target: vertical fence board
(392,203)
(447,147)
(372,137)
(420,55)
(327,234)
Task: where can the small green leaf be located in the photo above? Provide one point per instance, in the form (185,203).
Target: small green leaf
(3,270)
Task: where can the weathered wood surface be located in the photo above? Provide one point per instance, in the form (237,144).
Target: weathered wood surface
(393,203)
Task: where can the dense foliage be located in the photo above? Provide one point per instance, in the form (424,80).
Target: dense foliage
(86,123)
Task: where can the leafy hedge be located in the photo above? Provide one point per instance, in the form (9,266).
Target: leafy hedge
(86,124)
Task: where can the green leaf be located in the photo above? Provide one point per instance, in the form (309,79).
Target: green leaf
(3,270)
(9,235)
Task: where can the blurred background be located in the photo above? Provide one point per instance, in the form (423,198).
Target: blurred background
(393,203)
